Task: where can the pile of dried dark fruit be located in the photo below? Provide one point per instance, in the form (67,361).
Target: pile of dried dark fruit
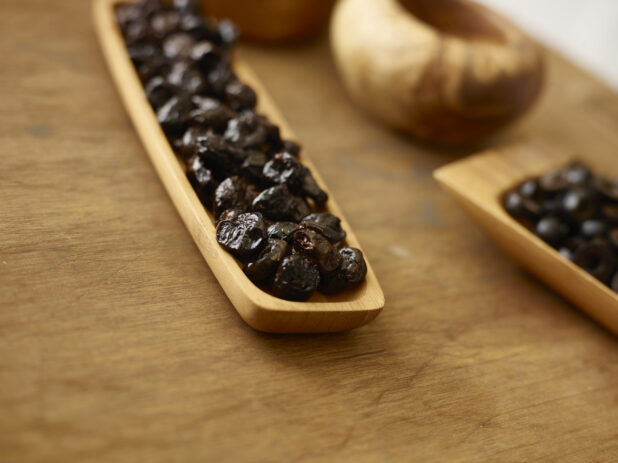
(265,202)
(576,212)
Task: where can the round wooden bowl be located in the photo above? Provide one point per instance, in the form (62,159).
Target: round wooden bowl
(449,72)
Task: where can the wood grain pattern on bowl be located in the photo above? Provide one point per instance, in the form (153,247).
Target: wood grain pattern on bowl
(449,72)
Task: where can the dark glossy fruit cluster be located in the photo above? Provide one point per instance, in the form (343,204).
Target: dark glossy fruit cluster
(576,212)
(264,200)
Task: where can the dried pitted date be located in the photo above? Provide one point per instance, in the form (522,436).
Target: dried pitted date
(350,273)
(277,203)
(263,268)
(178,46)
(218,156)
(327,224)
(283,230)
(574,211)
(597,259)
(253,165)
(173,115)
(243,235)
(240,96)
(159,91)
(296,279)
(317,248)
(236,161)
(189,140)
(202,180)
(285,168)
(231,194)
(186,77)
(205,55)
(311,189)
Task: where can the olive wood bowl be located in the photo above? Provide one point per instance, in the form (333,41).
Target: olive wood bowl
(259,309)
(478,184)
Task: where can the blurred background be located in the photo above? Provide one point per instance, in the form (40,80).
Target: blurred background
(586,32)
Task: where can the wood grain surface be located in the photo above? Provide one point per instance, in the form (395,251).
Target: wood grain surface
(118,345)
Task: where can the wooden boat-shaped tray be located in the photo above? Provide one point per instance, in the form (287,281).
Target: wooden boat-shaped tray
(259,309)
(478,184)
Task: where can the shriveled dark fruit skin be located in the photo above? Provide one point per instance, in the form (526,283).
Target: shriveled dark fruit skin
(243,235)
(224,160)
(591,229)
(164,23)
(313,245)
(159,91)
(205,55)
(283,230)
(202,180)
(326,224)
(215,118)
(240,96)
(597,259)
(178,45)
(173,115)
(521,207)
(577,174)
(250,130)
(228,214)
(277,203)
(311,189)
(579,205)
(284,168)
(553,182)
(190,138)
(253,165)
(262,269)
(186,78)
(231,194)
(552,230)
(350,273)
(296,279)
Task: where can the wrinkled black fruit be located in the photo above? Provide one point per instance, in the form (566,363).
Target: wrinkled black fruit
(351,272)
(243,235)
(326,224)
(596,259)
(262,269)
(296,279)
(552,230)
(231,194)
(173,115)
(285,168)
(202,180)
(283,230)
(277,203)
(313,245)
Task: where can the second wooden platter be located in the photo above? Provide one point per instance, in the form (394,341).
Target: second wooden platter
(478,183)
(259,309)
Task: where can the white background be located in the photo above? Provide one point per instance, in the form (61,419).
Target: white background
(586,31)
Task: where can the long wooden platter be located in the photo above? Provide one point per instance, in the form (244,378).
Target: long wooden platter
(259,309)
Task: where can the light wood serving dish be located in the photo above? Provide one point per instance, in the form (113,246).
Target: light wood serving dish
(478,183)
(259,309)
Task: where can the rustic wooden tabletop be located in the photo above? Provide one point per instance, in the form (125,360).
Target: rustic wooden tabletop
(117,344)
